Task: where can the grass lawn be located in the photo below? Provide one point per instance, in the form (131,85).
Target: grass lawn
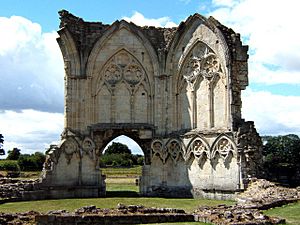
(121,188)
(183,223)
(71,204)
(290,212)
(134,171)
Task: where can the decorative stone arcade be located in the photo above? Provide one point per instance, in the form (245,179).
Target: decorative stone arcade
(175,91)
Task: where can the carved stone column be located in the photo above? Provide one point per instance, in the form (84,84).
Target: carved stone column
(191,77)
(210,72)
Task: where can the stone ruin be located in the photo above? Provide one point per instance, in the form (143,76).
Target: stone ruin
(248,209)
(175,91)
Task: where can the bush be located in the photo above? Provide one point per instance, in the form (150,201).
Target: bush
(116,160)
(32,162)
(14,154)
(9,165)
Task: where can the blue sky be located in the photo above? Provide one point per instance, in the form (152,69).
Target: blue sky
(31,77)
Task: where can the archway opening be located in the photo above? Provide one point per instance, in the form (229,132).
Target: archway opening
(121,162)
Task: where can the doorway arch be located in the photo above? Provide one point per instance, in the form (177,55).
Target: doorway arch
(122,171)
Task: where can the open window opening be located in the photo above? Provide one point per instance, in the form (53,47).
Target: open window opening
(121,162)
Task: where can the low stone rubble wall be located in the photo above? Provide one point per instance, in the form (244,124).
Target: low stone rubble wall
(132,214)
(260,195)
(232,215)
(18,218)
(12,189)
(264,194)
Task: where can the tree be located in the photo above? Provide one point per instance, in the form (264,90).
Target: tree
(117,148)
(118,154)
(2,152)
(14,154)
(33,162)
(282,149)
(281,161)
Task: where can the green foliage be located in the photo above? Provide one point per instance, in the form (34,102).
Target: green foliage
(281,150)
(119,155)
(14,154)
(9,165)
(33,162)
(116,160)
(140,160)
(117,148)
(281,161)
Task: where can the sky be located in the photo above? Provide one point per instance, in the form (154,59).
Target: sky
(32,71)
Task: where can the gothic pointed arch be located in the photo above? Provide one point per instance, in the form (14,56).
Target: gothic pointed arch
(191,36)
(70,53)
(202,89)
(122,65)
(133,33)
(159,149)
(175,149)
(198,148)
(125,78)
(70,146)
(223,147)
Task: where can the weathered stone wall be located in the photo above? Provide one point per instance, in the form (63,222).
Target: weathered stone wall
(175,91)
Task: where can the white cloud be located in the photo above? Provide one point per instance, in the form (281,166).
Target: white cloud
(31,78)
(273,114)
(30,130)
(223,2)
(140,20)
(31,67)
(132,145)
(259,73)
(270,29)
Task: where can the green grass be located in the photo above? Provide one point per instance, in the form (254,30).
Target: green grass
(116,172)
(182,223)
(122,187)
(71,204)
(290,212)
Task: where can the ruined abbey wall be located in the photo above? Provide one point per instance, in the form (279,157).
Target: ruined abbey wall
(175,91)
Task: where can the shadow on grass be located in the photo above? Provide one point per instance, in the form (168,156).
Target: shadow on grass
(117,194)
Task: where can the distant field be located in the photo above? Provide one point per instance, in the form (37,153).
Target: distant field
(122,172)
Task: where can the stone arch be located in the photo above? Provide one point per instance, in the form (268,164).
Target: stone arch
(223,148)
(158,149)
(175,149)
(199,148)
(118,64)
(229,140)
(127,81)
(144,144)
(198,29)
(70,147)
(70,53)
(202,72)
(109,33)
